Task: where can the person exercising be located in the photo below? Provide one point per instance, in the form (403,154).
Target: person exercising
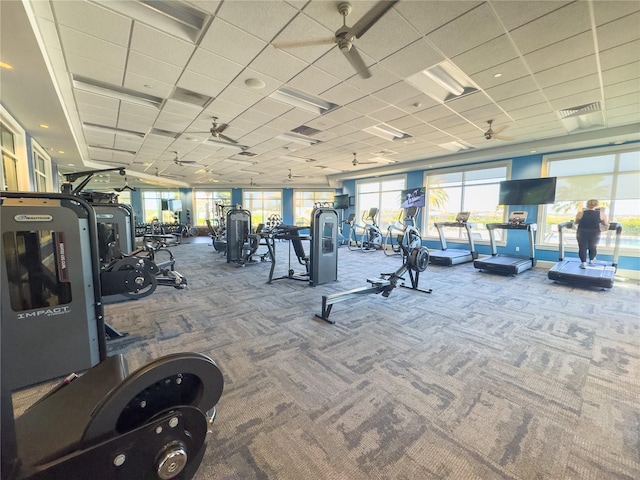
(588,235)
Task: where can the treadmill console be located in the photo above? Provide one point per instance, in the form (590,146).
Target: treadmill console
(463,217)
(517,218)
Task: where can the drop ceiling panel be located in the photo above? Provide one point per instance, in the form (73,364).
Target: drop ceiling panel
(162,46)
(583,84)
(619,32)
(605,12)
(367,105)
(388,35)
(301,29)
(466,32)
(380,78)
(105,24)
(488,55)
(571,101)
(512,89)
(314,81)
(87,46)
(240,96)
(147,84)
(413,58)
(213,66)
(561,52)
(343,94)
(427,20)
(150,67)
(277,64)
(571,70)
(201,84)
(570,20)
(93,69)
(265,20)
(231,42)
(622,55)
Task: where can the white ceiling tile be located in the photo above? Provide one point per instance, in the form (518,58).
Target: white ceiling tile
(514,14)
(201,84)
(583,84)
(270,84)
(621,88)
(240,96)
(416,103)
(86,67)
(427,17)
(412,59)
(396,93)
(622,55)
(160,45)
(104,24)
(152,67)
(570,70)
(522,113)
(313,81)
(262,19)
(343,94)
(148,85)
(466,32)
(231,42)
(179,108)
(629,71)
(388,114)
(342,115)
(511,89)
(500,74)
(213,66)
(575,100)
(570,20)
(469,102)
(90,47)
(388,35)
(521,101)
(277,64)
(380,78)
(223,109)
(560,53)
(102,101)
(619,32)
(302,29)
(367,105)
(272,107)
(606,11)
(488,55)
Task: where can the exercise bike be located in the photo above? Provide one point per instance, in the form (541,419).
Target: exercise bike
(408,234)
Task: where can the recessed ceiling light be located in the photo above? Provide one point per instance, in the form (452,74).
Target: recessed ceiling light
(7,66)
(533,151)
(254,83)
(497,75)
(43,125)
(70,164)
(60,151)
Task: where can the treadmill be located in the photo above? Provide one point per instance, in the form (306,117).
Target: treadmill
(599,274)
(509,264)
(453,256)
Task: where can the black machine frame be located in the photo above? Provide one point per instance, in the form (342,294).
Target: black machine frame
(454,256)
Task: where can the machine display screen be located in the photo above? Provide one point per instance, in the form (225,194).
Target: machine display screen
(37,270)
(327,237)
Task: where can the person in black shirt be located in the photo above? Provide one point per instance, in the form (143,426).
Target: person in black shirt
(589,221)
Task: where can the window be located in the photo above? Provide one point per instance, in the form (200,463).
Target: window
(205,204)
(262,204)
(303,203)
(608,175)
(153,203)
(10,143)
(471,190)
(41,169)
(385,195)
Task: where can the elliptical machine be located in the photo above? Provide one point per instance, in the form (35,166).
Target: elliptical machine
(372,237)
(408,234)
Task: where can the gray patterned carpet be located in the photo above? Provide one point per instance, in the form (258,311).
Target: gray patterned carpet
(488,377)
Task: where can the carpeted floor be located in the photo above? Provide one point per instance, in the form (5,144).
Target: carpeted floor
(488,377)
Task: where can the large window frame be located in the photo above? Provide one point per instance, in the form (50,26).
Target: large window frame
(152,205)
(476,187)
(262,204)
(204,204)
(385,194)
(14,174)
(608,174)
(42,171)
(304,202)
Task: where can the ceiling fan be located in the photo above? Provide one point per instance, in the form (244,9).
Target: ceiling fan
(167,175)
(216,131)
(345,35)
(491,134)
(180,162)
(292,176)
(355,161)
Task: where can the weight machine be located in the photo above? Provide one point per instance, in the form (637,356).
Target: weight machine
(415,261)
(408,234)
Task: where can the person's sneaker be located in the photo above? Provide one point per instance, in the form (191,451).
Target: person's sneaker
(592,261)
(583,265)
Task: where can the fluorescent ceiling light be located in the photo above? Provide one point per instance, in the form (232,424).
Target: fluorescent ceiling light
(443,81)
(106,129)
(302,100)
(169,16)
(113,91)
(456,146)
(113,150)
(387,132)
(289,137)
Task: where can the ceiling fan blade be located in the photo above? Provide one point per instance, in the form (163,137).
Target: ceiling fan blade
(356,62)
(371,17)
(227,139)
(304,43)
(502,137)
(221,127)
(186,161)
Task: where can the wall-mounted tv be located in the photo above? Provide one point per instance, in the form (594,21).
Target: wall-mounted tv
(341,202)
(175,205)
(413,197)
(530,191)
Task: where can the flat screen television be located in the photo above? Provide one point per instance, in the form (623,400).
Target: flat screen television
(413,197)
(341,202)
(175,205)
(530,191)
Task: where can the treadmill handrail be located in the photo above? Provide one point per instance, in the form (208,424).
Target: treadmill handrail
(617,227)
(467,226)
(529,227)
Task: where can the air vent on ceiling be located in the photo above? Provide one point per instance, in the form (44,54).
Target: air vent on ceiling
(246,153)
(306,130)
(163,133)
(192,98)
(582,117)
